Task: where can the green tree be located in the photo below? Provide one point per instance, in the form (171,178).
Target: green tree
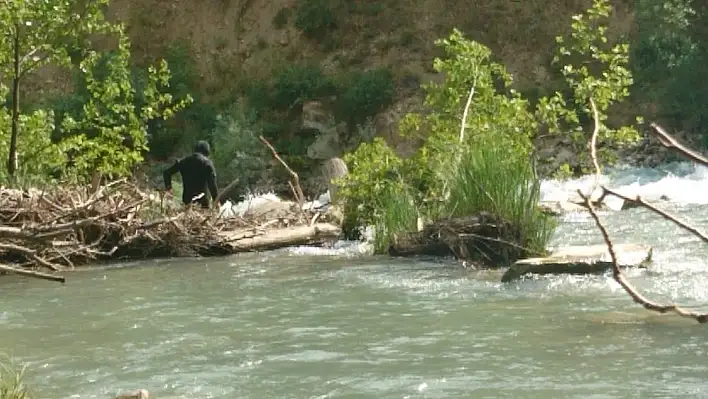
(110,133)
(34,33)
(477,89)
(36,151)
(594,70)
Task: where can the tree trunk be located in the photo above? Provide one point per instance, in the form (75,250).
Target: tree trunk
(12,155)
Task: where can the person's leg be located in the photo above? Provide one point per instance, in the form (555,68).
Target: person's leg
(204,202)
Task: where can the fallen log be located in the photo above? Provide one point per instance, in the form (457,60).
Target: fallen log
(31,273)
(317,234)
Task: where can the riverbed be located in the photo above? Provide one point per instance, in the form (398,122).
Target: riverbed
(304,323)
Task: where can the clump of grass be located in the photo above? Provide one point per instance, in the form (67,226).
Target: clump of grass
(397,214)
(492,177)
(12,384)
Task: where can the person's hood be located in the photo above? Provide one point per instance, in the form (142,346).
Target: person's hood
(202,147)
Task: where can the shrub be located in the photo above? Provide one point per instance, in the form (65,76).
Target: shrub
(365,95)
(396,213)
(299,83)
(374,167)
(237,152)
(315,17)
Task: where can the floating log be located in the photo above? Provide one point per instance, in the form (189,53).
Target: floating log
(481,239)
(580,260)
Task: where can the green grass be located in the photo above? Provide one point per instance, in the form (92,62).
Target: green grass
(398,214)
(493,178)
(12,384)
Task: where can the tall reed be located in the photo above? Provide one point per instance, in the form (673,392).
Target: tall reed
(397,213)
(12,384)
(493,177)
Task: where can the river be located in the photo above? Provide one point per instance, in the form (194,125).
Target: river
(304,323)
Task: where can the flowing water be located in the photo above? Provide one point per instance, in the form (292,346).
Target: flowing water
(306,323)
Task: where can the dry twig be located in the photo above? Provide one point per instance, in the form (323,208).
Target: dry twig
(297,190)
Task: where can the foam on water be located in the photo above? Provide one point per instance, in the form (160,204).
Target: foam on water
(344,248)
(682,183)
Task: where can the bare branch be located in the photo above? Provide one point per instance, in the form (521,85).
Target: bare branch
(299,196)
(670,142)
(617,274)
(593,147)
(463,125)
(675,219)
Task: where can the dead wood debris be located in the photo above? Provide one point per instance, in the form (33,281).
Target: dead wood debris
(44,232)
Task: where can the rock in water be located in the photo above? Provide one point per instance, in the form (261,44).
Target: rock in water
(139,394)
(580,260)
(332,169)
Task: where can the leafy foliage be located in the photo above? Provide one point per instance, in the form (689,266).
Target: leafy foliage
(485,166)
(48,31)
(299,83)
(496,109)
(365,94)
(110,135)
(237,152)
(38,155)
(669,61)
(34,33)
(375,170)
(593,69)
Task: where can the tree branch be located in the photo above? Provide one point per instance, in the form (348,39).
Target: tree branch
(297,190)
(648,304)
(617,274)
(675,219)
(670,142)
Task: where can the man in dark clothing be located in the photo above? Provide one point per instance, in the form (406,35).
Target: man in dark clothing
(198,174)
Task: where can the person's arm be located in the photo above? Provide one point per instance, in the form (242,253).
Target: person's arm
(211,182)
(167,174)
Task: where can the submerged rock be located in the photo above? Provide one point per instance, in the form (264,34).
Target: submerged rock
(580,260)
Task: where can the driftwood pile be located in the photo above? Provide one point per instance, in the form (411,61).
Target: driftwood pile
(49,231)
(481,239)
